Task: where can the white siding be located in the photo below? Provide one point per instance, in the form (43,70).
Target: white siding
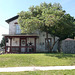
(12,27)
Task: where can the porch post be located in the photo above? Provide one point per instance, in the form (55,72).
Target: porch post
(20,45)
(35,44)
(5,45)
(26,45)
(10,44)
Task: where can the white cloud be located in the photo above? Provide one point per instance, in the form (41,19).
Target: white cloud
(3,30)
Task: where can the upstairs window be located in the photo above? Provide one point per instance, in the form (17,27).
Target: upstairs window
(18,30)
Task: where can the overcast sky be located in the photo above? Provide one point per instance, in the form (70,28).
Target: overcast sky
(10,8)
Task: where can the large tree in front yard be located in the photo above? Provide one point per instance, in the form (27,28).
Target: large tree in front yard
(65,28)
(49,18)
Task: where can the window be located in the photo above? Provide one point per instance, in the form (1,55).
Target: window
(18,30)
(15,49)
(23,42)
(47,44)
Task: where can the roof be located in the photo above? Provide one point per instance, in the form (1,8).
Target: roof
(34,35)
(68,39)
(11,19)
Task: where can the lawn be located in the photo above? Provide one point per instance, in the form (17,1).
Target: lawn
(55,72)
(39,59)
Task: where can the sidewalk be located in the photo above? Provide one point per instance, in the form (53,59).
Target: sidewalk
(34,68)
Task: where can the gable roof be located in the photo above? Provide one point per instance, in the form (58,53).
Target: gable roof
(11,19)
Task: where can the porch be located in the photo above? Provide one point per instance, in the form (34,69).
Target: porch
(20,43)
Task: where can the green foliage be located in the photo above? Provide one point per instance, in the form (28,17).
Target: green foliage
(64,28)
(3,42)
(39,17)
(49,18)
(28,23)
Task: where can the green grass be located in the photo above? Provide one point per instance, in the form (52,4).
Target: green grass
(43,59)
(57,72)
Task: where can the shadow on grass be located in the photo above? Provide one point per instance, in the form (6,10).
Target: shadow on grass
(60,55)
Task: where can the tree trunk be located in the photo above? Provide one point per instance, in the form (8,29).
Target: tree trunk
(54,39)
(48,43)
(53,43)
(59,46)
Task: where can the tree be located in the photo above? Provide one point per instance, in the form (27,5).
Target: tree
(65,28)
(48,18)
(3,41)
(39,17)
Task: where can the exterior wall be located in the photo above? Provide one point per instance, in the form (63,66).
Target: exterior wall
(12,27)
(40,42)
(68,46)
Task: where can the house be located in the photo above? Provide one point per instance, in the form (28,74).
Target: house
(25,43)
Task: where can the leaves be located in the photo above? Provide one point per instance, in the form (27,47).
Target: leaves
(49,18)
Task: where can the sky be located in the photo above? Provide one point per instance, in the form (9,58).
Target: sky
(10,8)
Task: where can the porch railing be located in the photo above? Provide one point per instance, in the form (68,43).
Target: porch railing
(17,49)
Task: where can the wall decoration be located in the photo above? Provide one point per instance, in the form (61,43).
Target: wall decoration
(23,42)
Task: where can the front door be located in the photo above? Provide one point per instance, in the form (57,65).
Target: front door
(23,44)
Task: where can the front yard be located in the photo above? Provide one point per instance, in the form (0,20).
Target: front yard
(41,59)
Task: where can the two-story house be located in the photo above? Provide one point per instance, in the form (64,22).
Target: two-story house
(25,43)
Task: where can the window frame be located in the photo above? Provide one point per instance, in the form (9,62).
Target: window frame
(18,30)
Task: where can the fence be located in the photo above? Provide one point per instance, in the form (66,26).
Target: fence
(68,46)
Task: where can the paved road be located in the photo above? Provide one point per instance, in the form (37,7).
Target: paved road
(34,68)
